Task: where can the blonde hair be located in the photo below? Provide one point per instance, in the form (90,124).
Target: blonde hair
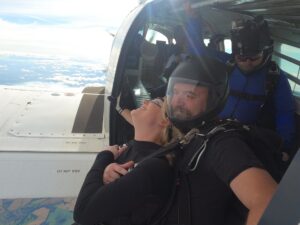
(169,133)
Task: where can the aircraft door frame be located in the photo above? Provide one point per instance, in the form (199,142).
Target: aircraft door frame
(116,69)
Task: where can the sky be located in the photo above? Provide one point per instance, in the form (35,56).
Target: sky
(61,28)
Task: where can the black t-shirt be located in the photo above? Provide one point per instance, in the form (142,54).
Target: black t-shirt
(210,196)
(133,199)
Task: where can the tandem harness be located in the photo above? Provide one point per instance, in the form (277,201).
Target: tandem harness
(265,144)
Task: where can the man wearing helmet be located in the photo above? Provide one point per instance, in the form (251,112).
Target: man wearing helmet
(259,92)
(218,172)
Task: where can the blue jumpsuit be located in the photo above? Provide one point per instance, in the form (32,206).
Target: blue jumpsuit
(248,111)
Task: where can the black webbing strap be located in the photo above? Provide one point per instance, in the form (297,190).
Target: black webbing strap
(174,145)
(247,96)
(272,78)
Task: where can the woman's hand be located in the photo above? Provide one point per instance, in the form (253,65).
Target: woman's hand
(114,171)
(117,150)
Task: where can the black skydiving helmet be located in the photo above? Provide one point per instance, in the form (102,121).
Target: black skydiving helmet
(190,82)
(250,38)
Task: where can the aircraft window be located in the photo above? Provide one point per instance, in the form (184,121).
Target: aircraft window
(288,59)
(225,46)
(153,36)
(291,51)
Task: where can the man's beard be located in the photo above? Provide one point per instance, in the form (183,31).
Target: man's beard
(181,113)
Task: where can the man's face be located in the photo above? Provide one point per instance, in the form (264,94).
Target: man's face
(248,64)
(188,100)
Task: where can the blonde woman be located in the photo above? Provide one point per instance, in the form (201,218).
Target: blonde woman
(133,197)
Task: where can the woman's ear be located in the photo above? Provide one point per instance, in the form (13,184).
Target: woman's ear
(165,122)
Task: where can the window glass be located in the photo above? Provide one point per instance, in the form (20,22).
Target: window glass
(290,67)
(227,44)
(153,36)
(224,46)
(290,51)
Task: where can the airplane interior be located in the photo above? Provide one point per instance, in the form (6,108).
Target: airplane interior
(150,41)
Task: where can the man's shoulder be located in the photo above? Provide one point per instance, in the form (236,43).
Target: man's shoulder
(229,137)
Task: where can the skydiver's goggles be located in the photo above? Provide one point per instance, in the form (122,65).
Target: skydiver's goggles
(242,58)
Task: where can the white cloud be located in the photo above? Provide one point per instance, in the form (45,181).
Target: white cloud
(3,67)
(82,34)
(26,70)
(91,10)
(65,41)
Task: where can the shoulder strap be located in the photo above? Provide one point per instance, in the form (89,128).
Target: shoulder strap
(193,159)
(248,97)
(272,78)
(173,146)
(230,64)
(177,144)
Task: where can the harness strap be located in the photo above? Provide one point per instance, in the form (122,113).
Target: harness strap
(247,96)
(173,146)
(193,163)
(179,181)
(271,82)
(272,78)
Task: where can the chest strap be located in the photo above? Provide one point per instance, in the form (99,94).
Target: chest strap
(247,96)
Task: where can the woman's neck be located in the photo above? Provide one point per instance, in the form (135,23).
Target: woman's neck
(149,136)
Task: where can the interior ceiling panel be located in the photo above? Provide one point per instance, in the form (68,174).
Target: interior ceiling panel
(283,15)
